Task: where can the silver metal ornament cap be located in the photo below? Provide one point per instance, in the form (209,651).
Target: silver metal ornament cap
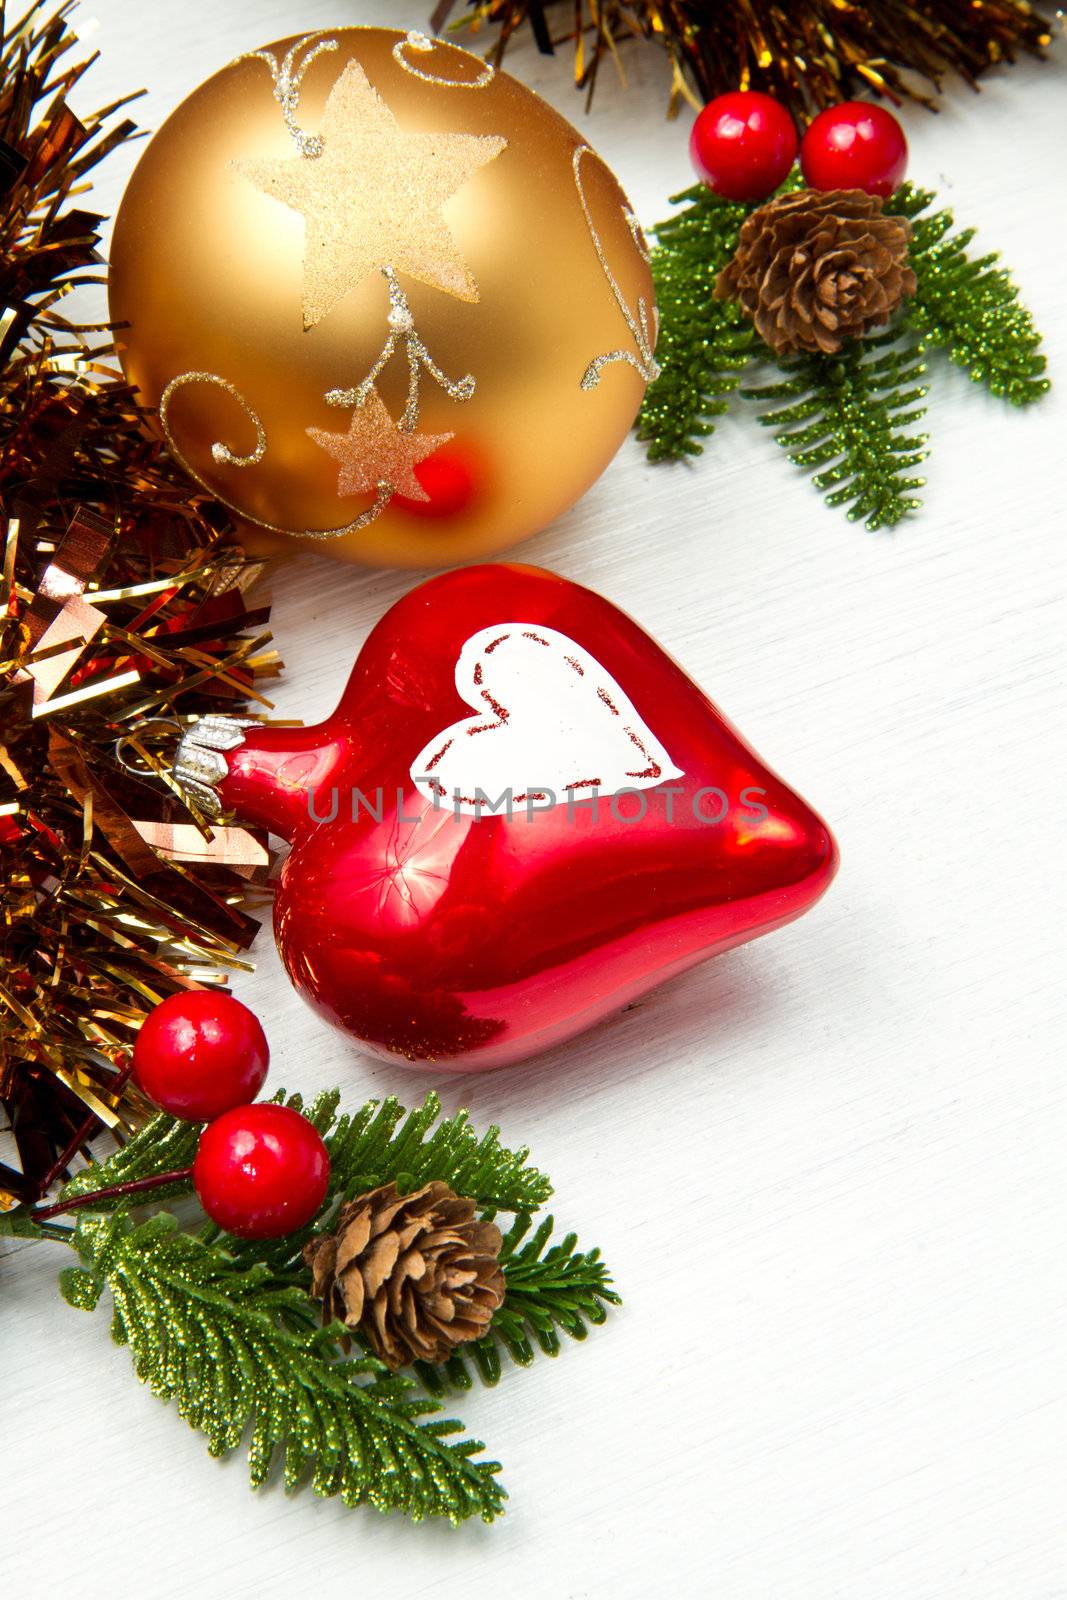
(200,763)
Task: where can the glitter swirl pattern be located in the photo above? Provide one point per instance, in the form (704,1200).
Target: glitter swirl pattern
(424,46)
(221,453)
(402,328)
(640,326)
(287,77)
(226,457)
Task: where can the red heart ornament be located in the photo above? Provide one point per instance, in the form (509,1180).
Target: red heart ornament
(521,816)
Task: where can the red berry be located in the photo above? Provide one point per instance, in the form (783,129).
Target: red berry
(199,1052)
(854,146)
(743,144)
(261,1171)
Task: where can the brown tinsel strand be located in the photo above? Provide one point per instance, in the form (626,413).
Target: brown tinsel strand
(815,267)
(807,53)
(121,600)
(414,1275)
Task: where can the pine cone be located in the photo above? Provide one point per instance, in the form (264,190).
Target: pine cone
(416,1275)
(814,267)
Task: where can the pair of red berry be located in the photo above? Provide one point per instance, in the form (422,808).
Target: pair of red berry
(744,144)
(260,1170)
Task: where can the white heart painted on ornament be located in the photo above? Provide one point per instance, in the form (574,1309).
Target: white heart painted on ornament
(549,722)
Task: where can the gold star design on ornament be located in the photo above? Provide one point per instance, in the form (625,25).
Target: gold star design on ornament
(375,451)
(374,197)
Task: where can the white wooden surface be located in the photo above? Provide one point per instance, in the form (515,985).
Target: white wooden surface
(827,1169)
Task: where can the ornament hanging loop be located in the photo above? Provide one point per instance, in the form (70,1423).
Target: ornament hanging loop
(149,749)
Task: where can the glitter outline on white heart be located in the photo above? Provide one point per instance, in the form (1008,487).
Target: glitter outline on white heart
(491,714)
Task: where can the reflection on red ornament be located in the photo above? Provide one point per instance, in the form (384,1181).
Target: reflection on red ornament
(451,477)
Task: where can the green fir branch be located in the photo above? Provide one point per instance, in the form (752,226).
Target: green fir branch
(704,344)
(970,307)
(384,1143)
(227,1329)
(236,1350)
(547,1291)
(846,415)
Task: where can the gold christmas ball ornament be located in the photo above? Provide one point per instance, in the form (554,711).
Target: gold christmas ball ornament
(382,298)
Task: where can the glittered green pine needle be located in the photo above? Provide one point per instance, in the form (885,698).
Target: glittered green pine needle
(237,1350)
(703,343)
(969,307)
(164,1144)
(845,416)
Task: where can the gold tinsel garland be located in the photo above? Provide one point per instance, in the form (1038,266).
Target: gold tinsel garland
(807,53)
(121,601)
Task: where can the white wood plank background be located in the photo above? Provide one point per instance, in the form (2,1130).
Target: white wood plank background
(828,1169)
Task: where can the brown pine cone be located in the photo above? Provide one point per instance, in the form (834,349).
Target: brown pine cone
(814,267)
(416,1275)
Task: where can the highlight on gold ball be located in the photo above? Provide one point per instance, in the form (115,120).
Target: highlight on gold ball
(381,298)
